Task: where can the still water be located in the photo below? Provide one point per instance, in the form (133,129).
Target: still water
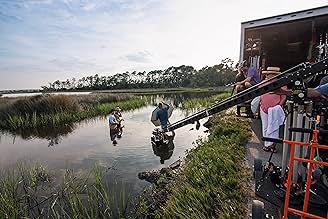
(81,145)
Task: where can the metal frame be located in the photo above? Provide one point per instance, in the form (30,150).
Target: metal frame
(297,73)
(298,15)
(313,145)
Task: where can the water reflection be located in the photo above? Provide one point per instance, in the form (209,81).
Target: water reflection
(53,135)
(83,144)
(115,134)
(164,151)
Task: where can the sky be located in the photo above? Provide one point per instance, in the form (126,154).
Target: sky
(45,40)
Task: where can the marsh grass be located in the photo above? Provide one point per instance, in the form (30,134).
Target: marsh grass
(154,91)
(56,110)
(30,191)
(204,102)
(211,184)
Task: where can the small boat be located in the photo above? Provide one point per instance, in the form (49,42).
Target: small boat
(159,138)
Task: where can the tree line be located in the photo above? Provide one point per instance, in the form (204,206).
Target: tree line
(172,77)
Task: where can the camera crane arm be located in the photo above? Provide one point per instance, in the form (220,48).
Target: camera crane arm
(295,75)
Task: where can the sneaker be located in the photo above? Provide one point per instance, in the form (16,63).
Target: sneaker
(271,148)
(114,142)
(267,149)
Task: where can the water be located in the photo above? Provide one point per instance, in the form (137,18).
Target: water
(81,145)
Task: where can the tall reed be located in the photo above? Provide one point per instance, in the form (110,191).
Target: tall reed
(56,110)
(31,191)
(204,102)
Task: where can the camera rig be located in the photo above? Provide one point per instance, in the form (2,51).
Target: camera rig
(294,76)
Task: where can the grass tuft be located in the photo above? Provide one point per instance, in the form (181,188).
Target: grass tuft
(30,191)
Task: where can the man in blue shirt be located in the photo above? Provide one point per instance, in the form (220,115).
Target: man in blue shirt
(162,114)
(252,77)
(247,77)
(112,120)
(319,92)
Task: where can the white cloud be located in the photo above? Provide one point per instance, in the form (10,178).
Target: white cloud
(73,38)
(89,6)
(141,56)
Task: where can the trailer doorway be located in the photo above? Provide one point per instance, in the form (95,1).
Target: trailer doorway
(285,44)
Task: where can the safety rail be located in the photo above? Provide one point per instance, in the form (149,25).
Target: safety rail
(313,144)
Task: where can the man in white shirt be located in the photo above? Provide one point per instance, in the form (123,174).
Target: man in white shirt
(113,126)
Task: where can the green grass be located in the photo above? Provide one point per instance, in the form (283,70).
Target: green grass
(58,110)
(204,102)
(166,90)
(212,181)
(29,191)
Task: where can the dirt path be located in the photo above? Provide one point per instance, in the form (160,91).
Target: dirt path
(254,150)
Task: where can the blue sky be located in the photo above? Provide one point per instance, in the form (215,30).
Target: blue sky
(46,40)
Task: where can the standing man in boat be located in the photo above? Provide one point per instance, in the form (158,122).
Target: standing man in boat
(162,114)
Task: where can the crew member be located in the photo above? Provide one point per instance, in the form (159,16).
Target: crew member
(113,126)
(252,77)
(319,92)
(272,114)
(119,119)
(162,114)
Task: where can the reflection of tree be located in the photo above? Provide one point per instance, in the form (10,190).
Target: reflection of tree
(53,135)
(164,151)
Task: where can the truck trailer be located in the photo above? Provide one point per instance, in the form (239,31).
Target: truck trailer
(298,44)
(285,40)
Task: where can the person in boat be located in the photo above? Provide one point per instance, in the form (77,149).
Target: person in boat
(113,126)
(163,115)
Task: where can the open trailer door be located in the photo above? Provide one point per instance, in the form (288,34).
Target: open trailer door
(285,40)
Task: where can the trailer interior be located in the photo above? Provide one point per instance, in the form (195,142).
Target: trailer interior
(285,44)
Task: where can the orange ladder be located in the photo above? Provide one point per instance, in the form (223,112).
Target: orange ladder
(313,145)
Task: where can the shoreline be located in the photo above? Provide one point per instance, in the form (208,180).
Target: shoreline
(211,182)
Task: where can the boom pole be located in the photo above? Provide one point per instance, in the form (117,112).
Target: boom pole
(295,75)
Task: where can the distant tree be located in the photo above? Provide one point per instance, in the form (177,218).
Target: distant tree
(181,76)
